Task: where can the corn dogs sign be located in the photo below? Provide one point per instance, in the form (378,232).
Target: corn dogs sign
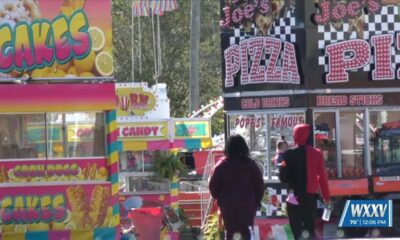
(53,170)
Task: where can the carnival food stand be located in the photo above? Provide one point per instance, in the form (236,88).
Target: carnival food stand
(57,136)
(331,64)
(145,126)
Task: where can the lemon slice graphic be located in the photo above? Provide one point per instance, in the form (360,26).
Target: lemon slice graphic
(104,64)
(21,228)
(70,226)
(98,38)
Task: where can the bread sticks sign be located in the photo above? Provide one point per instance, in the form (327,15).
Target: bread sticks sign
(64,207)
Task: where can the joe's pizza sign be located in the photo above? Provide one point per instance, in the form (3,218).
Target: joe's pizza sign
(247,59)
(358,35)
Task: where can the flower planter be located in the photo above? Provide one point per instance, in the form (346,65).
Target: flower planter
(146,222)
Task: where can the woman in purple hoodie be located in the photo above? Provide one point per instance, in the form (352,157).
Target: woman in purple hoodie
(237,185)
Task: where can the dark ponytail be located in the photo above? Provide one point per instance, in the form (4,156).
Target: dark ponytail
(281,142)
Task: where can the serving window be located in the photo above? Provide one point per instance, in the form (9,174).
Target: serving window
(263,131)
(325,139)
(358,142)
(136,173)
(252,127)
(52,135)
(384,126)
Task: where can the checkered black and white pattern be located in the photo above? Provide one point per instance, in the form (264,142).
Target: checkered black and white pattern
(387,21)
(268,210)
(282,29)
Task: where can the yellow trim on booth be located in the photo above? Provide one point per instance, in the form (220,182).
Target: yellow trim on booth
(206,143)
(134,146)
(115,188)
(13,236)
(113,126)
(113,157)
(174,192)
(81,234)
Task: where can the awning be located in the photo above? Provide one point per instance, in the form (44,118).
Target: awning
(57,97)
(148,7)
(190,144)
(165,134)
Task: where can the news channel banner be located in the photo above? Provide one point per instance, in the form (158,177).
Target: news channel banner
(367,213)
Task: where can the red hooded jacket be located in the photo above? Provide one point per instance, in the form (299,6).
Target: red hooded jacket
(316,179)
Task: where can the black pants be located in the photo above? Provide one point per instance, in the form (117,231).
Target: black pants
(238,220)
(302,216)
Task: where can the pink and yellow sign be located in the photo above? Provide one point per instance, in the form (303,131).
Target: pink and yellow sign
(58,207)
(53,170)
(55,38)
(143,131)
(135,101)
(81,133)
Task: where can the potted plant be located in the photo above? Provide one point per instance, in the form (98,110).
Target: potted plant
(167,165)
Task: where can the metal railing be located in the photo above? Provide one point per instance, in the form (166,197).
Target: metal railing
(205,196)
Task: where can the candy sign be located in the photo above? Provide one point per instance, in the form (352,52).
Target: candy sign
(143,131)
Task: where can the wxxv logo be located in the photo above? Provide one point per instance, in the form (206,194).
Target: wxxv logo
(367,213)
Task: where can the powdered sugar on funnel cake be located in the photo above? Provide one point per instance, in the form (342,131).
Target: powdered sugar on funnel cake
(15,11)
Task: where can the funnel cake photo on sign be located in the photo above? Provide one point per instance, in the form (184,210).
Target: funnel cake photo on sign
(15,11)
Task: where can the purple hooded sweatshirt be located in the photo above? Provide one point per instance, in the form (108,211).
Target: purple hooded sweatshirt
(238,187)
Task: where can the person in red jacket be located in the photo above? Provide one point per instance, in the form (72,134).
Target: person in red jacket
(304,171)
(238,186)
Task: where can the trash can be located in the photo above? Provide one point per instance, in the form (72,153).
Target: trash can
(147,222)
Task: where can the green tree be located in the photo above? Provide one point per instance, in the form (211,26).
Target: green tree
(122,39)
(175,50)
